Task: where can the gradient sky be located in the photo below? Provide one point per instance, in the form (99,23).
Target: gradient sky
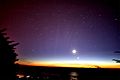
(48,30)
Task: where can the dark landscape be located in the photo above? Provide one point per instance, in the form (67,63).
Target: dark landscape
(64,73)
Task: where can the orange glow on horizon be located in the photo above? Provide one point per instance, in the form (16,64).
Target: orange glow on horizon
(77,64)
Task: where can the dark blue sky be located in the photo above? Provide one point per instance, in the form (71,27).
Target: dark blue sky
(50,30)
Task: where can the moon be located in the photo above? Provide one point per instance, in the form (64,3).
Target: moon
(74,51)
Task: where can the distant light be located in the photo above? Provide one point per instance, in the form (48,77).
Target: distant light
(20,75)
(73,74)
(28,76)
(74,51)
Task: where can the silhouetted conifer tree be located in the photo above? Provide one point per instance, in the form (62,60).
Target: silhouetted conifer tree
(7,57)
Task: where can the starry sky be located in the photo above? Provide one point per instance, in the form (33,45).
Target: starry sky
(48,30)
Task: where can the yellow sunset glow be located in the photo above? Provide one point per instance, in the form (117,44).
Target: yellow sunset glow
(77,64)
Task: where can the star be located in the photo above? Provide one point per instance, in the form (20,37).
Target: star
(99,15)
(116,19)
(36,29)
(40,34)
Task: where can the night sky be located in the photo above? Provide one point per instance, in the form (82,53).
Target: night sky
(48,30)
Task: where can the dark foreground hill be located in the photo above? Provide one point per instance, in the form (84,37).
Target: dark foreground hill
(63,73)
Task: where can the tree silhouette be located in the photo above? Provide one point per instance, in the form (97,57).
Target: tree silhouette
(7,57)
